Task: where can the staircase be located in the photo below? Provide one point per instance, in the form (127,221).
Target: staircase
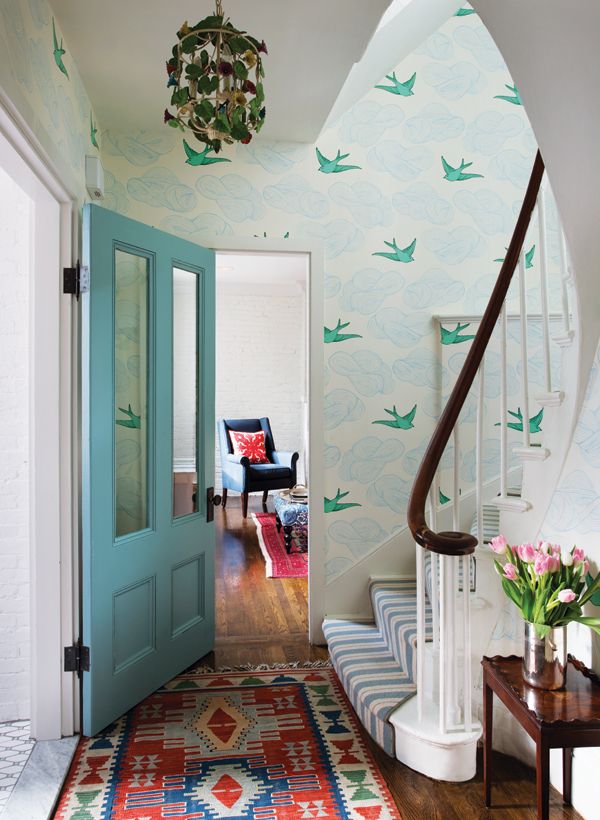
(376,660)
(409,670)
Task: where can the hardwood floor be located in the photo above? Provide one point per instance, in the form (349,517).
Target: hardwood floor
(259,619)
(264,620)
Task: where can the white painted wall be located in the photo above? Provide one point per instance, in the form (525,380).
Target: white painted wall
(541,39)
(15,216)
(261,359)
(184,362)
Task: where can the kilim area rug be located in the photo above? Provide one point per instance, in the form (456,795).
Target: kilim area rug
(280,564)
(271,745)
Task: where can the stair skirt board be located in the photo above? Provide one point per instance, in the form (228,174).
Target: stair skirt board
(376,661)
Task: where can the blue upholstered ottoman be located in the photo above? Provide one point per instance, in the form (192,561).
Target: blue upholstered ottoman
(290,515)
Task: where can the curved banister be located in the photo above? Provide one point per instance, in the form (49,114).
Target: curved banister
(460,543)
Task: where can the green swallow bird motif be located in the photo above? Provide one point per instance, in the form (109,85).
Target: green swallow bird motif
(58,51)
(528,257)
(443,498)
(135,422)
(399,254)
(464,12)
(399,422)
(201,157)
(93,132)
(456,174)
(331,335)
(404,89)
(333,504)
(453,337)
(332,166)
(534,422)
(515,100)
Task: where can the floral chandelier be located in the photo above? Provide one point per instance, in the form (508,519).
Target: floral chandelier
(216,73)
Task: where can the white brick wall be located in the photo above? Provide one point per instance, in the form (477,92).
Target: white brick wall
(14,444)
(261,360)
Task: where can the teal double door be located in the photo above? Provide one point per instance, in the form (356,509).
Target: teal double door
(147,461)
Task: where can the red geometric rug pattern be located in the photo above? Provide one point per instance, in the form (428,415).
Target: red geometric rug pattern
(270,745)
(280,564)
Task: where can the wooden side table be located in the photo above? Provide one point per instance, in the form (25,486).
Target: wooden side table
(562,719)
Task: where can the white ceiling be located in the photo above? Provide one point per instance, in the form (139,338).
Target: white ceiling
(120,48)
(265,268)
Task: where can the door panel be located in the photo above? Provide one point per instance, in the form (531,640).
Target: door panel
(148,434)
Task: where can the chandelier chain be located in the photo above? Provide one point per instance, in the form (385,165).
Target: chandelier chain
(219,8)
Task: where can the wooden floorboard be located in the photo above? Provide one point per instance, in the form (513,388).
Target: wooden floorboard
(264,620)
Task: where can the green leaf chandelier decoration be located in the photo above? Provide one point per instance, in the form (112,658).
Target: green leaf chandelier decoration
(216,73)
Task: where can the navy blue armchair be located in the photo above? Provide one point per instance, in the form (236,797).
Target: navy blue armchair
(241,476)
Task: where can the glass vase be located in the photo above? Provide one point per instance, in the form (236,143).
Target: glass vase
(545,659)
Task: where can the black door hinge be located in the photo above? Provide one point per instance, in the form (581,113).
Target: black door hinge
(77,658)
(76,280)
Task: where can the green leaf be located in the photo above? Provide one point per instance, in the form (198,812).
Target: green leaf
(204,58)
(192,70)
(593,585)
(239,131)
(180,97)
(593,623)
(174,124)
(214,82)
(528,601)
(222,124)
(205,85)
(239,44)
(260,93)
(240,70)
(189,43)
(205,110)
(542,629)
(212,21)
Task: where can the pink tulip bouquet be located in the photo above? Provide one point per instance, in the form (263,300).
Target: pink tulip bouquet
(548,584)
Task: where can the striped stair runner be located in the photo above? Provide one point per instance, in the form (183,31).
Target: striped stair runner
(376,661)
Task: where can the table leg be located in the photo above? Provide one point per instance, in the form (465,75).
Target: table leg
(567,775)
(488,719)
(542,761)
(287,537)
(277,522)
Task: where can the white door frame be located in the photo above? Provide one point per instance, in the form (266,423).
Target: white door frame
(314,306)
(54,591)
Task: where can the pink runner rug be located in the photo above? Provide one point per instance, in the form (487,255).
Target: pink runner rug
(278,563)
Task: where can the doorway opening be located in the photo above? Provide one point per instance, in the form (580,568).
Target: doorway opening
(16,212)
(261,399)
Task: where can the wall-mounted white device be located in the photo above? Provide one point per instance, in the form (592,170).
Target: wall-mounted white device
(94,178)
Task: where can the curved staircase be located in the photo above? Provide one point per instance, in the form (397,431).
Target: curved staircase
(420,641)
(376,660)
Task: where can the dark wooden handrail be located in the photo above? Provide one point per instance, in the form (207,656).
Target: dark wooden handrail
(462,543)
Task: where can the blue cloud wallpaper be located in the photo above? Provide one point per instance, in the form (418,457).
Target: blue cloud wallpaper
(382,288)
(411,223)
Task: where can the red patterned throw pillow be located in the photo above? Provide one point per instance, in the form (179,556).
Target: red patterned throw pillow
(251,445)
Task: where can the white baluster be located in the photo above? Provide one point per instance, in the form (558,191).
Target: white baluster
(452,584)
(420,556)
(444,559)
(466,568)
(479,452)
(564,265)
(543,242)
(503,404)
(524,361)
(435,563)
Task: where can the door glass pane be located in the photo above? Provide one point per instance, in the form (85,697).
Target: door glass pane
(131,392)
(185,392)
